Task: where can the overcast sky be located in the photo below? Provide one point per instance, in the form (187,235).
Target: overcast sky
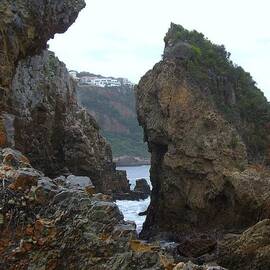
(124,38)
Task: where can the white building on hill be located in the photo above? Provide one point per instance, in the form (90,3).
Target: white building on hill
(73,74)
(125,81)
(100,82)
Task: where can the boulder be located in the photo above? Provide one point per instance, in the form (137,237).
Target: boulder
(79,181)
(143,188)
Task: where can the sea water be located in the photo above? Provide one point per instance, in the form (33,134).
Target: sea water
(131,209)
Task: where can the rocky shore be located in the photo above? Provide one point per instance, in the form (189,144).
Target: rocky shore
(124,161)
(210,198)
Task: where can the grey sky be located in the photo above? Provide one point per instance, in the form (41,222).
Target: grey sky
(125,38)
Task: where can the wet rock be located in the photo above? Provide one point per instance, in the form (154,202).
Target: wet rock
(143,187)
(58,136)
(144,213)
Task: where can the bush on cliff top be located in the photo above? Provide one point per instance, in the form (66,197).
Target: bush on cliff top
(232,89)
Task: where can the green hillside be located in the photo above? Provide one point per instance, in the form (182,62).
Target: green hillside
(114,110)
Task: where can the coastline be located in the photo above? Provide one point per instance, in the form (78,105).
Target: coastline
(124,161)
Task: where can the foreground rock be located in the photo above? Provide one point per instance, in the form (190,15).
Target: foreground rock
(248,251)
(200,116)
(56,224)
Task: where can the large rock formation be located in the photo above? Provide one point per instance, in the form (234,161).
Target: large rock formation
(204,121)
(49,126)
(40,115)
(26,26)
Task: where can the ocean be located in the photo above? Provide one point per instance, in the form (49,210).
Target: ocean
(131,209)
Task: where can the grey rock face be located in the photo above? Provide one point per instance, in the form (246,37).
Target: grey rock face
(79,181)
(49,126)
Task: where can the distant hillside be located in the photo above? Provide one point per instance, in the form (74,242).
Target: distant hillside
(114,110)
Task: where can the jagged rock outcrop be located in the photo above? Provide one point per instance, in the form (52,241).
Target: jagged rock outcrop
(142,187)
(25,28)
(48,224)
(49,126)
(204,121)
(39,111)
(248,251)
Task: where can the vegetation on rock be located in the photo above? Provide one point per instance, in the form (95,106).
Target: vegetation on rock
(114,110)
(200,117)
(232,89)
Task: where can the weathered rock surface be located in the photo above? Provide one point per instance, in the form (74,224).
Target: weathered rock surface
(47,224)
(25,28)
(192,266)
(200,117)
(49,126)
(250,250)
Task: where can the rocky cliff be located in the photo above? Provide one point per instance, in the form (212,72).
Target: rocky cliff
(49,126)
(25,28)
(207,126)
(40,115)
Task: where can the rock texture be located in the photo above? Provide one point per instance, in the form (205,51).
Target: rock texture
(39,111)
(25,28)
(200,117)
(50,224)
(251,250)
(46,223)
(49,126)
